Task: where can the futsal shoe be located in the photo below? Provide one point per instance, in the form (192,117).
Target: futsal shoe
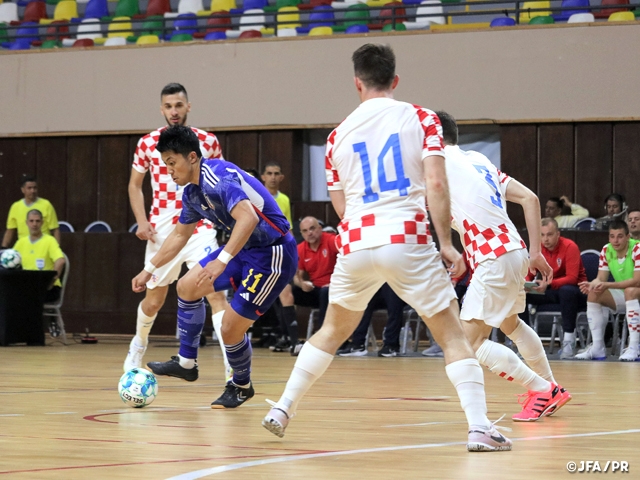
(233,396)
(630,355)
(568,351)
(276,420)
(134,357)
(591,354)
(487,440)
(535,405)
(433,351)
(172,368)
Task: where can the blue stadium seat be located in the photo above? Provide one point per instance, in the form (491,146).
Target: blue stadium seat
(29,32)
(185,23)
(565,14)
(503,22)
(253,4)
(357,29)
(96,9)
(321,16)
(65,227)
(98,227)
(215,36)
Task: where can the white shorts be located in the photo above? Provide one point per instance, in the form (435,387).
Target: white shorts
(414,272)
(496,290)
(618,297)
(199,246)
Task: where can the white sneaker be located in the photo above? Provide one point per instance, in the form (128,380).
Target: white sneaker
(276,420)
(433,351)
(630,354)
(567,351)
(591,354)
(488,439)
(134,357)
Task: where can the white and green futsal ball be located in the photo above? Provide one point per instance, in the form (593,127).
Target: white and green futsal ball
(138,387)
(10,259)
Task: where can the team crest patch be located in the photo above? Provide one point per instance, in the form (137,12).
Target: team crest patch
(559,261)
(324,252)
(208,202)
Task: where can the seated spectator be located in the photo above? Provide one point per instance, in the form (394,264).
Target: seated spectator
(616,209)
(568,272)
(619,258)
(40,251)
(554,207)
(633,218)
(384,298)
(17,219)
(316,260)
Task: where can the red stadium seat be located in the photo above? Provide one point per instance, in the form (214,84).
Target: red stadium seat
(250,34)
(606,12)
(158,7)
(218,22)
(54,28)
(34,11)
(313,4)
(83,42)
(386,14)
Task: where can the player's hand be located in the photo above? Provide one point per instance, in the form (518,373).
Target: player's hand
(566,200)
(146,232)
(585,287)
(139,283)
(598,287)
(453,260)
(307,286)
(542,286)
(210,272)
(538,263)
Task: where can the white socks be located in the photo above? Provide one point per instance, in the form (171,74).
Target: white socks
(505,363)
(310,365)
(466,376)
(216,318)
(597,324)
(143,327)
(530,347)
(633,320)
(570,337)
(186,362)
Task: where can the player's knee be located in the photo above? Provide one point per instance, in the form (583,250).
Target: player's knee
(593,297)
(631,293)
(185,289)
(286,298)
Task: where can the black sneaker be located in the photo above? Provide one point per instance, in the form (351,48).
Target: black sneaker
(387,351)
(282,346)
(233,396)
(295,349)
(355,351)
(344,348)
(172,368)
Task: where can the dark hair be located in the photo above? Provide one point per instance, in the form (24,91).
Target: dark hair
(616,197)
(173,88)
(449,128)
(254,173)
(629,212)
(179,139)
(27,178)
(559,203)
(271,164)
(375,65)
(619,225)
(36,211)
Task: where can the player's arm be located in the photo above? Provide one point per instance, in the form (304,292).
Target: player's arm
(175,242)
(9,237)
(518,193)
(594,285)
(136,198)
(299,280)
(632,282)
(440,207)
(246,220)
(338,201)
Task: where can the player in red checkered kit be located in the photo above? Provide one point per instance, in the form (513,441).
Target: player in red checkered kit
(499,260)
(164,214)
(381,163)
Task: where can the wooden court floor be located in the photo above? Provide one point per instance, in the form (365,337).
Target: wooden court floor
(367,418)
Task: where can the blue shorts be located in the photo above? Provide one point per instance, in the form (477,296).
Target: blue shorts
(258,275)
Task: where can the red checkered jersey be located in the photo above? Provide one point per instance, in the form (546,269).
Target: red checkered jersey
(479,207)
(167,196)
(375,157)
(634,246)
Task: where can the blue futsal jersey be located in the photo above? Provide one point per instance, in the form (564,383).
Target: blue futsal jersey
(222,185)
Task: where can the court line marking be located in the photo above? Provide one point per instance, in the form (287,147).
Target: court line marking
(255,463)
(60,413)
(12,415)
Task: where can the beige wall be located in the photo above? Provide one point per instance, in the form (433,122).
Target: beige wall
(560,72)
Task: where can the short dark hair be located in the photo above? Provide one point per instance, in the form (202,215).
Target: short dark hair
(375,65)
(179,139)
(271,164)
(27,178)
(619,225)
(633,210)
(616,197)
(559,203)
(36,211)
(449,127)
(173,88)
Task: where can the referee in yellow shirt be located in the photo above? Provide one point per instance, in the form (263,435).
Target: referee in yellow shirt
(17,220)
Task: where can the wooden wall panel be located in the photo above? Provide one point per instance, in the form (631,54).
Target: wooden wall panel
(242,149)
(626,162)
(72,245)
(17,157)
(113,178)
(284,147)
(519,157)
(51,165)
(82,181)
(101,277)
(594,165)
(299,210)
(130,258)
(556,161)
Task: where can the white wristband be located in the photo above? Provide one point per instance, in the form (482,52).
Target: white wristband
(224,257)
(149,267)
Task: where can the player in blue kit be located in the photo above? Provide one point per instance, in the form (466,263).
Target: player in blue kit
(258,261)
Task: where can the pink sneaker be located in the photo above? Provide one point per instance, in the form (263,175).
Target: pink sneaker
(276,420)
(538,404)
(565,397)
(487,440)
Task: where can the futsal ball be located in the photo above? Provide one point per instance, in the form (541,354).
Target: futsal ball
(10,259)
(138,387)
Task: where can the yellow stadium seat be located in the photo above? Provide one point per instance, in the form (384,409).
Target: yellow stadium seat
(288,17)
(147,40)
(220,5)
(378,3)
(459,26)
(622,17)
(66,10)
(525,15)
(320,31)
(120,28)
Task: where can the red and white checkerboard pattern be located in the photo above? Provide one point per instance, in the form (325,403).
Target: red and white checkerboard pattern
(481,245)
(635,254)
(167,196)
(633,320)
(432,128)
